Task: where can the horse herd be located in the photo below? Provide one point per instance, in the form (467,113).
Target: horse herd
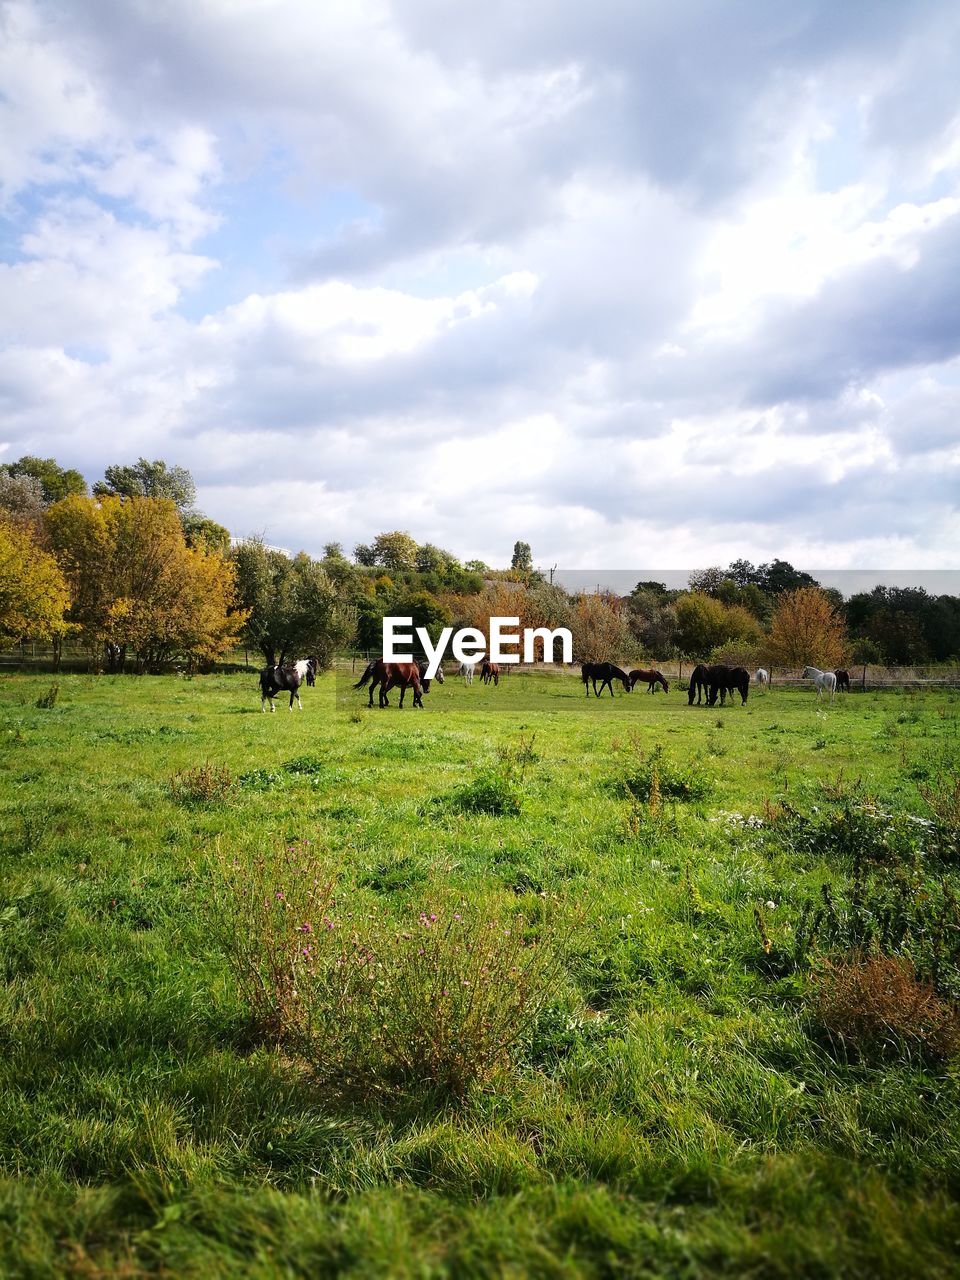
(708,683)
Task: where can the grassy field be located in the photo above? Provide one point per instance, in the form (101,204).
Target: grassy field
(674,1109)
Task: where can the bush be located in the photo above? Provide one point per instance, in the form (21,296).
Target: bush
(876,1004)
(656,776)
(439,1005)
(453,996)
(207,784)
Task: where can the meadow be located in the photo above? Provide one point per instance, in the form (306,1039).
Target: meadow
(676,1104)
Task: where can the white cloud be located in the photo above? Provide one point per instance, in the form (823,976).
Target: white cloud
(661,285)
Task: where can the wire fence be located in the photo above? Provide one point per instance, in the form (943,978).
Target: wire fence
(35,656)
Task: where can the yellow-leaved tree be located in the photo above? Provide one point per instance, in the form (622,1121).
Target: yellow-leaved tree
(138,587)
(33,592)
(806,630)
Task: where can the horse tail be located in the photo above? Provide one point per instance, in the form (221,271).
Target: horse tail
(368,672)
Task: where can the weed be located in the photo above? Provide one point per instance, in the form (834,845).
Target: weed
(50,698)
(657,773)
(492,791)
(875,1005)
(207,784)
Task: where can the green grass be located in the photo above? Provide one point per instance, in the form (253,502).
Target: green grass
(672,1115)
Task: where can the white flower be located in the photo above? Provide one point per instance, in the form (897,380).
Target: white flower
(771,905)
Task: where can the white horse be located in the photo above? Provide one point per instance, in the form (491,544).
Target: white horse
(822,680)
(466,670)
(761,676)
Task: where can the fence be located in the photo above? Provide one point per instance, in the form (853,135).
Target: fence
(32,656)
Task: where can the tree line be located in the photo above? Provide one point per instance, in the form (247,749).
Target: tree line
(138,576)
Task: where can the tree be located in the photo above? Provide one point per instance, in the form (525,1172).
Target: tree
(293,606)
(21,498)
(522,558)
(138,586)
(779,576)
(55,481)
(599,627)
(807,631)
(365,555)
(202,531)
(149,480)
(395,551)
(705,624)
(33,592)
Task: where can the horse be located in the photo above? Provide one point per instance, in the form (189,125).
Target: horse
(698,684)
(652,679)
(287,679)
(606,673)
(822,680)
(843,680)
(384,674)
(489,671)
(467,669)
(761,676)
(722,680)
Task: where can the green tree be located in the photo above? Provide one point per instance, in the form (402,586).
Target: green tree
(294,608)
(522,558)
(149,480)
(365,555)
(202,531)
(395,551)
(55,482)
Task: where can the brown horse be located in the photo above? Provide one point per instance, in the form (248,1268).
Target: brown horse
(489,671)
(843,680)
(651,678)
(397,675)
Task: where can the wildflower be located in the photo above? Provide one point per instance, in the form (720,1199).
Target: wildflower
(457,915)
(771,905)
(306,927)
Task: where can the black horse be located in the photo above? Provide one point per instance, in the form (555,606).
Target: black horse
(722,680)
(843,680)
(287,679)
(606,673)
(698,684)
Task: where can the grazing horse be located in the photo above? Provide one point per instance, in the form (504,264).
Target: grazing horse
(286,679)
(843,679)
(721,680)
(489,671)
(761,676)
(698,684)
(651,678)
(384,674)
(606,673)
(822,680)
(467,669)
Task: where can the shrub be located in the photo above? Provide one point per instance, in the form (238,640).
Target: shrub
(453,996)
(207,784)
(273,917)
(657,775)
(439,1005)
(50,698)
(876,1004)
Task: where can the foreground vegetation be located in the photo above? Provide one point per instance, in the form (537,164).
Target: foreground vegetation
(689,1058)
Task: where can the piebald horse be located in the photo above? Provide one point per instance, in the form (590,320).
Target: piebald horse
(286,679)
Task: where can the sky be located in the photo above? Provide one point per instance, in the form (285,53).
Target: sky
(634,282)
